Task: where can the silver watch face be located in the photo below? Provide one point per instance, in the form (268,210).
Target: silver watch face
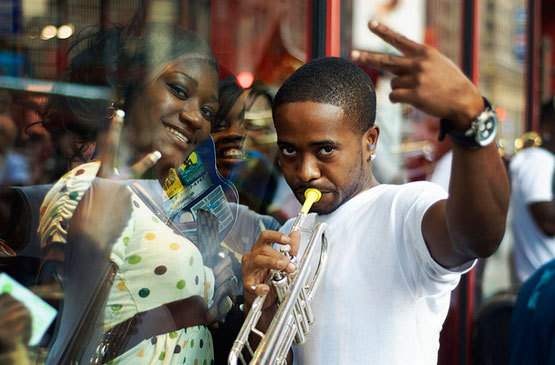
(484,127)
(487,129)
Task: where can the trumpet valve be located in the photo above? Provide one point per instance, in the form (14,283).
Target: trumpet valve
(284,250)
(282,285)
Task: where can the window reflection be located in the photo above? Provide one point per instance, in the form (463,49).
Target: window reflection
(257,45)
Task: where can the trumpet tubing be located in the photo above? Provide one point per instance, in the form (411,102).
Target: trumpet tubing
(294,294)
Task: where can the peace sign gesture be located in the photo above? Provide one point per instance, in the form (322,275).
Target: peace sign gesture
(424,78)
(109,153)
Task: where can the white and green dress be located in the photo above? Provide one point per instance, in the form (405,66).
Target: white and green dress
(155,266)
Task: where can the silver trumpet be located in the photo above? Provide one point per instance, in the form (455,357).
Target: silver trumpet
(294,294)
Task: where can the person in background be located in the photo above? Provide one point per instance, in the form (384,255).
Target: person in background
(533,223)
(532,335)
(245,148)
(15,173)
(243,129)
(14,167)
(46,148)
(8,134)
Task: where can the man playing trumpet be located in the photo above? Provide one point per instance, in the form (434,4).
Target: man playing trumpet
(396,251)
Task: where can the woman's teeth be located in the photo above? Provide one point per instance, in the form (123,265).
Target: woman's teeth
(178,134)
(234,153)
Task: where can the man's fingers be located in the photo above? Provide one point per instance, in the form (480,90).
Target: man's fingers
(397,65)
(404,96)
(261,289)
(404,82)
(399,41)
(262,258)
(138,169)
(269,237)
(270,259)
(253,288)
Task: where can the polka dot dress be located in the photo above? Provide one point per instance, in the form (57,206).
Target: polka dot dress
(156,266)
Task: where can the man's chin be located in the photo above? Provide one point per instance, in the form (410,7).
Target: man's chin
(324,209)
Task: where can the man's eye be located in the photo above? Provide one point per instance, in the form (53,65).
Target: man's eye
(326,150)
(178,91)
(288,151)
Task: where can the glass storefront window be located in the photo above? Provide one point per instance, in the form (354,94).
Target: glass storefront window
(59,98)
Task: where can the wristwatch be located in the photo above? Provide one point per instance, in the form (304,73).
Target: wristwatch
(481,133)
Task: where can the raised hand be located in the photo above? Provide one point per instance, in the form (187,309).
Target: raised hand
(110,149)
(105,209)
(424,78)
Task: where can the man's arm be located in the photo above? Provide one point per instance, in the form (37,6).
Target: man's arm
(471,222)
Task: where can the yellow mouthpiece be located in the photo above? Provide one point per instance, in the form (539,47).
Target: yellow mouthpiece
(312,196)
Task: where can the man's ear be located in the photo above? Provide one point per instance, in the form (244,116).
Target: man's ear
(370,142)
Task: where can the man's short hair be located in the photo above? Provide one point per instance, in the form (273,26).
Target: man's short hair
(335,81)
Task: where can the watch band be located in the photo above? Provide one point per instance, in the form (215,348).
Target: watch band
(482,129)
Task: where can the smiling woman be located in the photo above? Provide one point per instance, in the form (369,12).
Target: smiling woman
(229,130)
(157,74)
(173,114)
(136,289)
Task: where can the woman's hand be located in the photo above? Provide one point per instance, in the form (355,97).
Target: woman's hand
(110,149)
(104,210)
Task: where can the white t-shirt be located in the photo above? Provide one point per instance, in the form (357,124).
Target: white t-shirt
(531,182)
(442,171)
(383,298)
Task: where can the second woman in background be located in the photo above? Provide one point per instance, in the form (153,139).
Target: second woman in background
(246,149)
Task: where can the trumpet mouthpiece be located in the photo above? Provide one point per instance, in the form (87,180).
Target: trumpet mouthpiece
(312,196)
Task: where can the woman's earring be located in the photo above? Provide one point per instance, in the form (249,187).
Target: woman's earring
(371,146)
(115,104)
(372,157)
